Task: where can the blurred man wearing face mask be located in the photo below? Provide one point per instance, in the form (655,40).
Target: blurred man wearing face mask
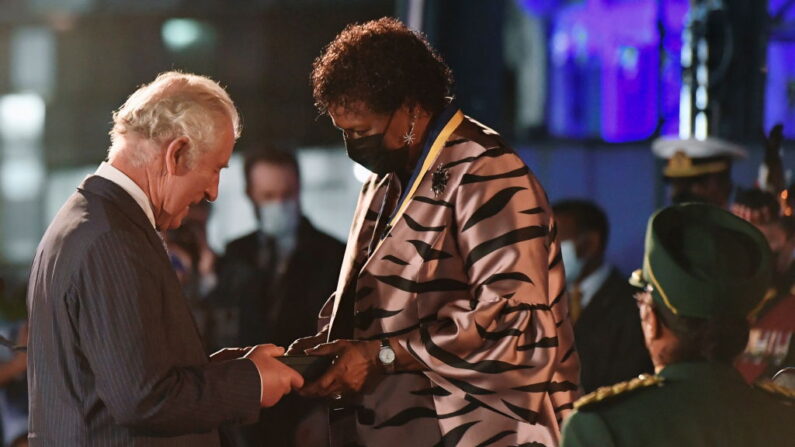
(281,273)
(276,278)
(606,324)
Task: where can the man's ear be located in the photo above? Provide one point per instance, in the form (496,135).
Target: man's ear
(652,326)
(176,155)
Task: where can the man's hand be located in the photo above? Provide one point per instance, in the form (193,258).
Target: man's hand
(356,362)
(299,346)
(229,354)
(276,378)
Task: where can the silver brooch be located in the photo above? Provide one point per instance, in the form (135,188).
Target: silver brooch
(439,179)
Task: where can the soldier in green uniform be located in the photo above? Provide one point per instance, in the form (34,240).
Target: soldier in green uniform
(704,270)
(698,170)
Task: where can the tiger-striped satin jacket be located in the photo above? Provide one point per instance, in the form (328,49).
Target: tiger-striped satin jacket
(470,282)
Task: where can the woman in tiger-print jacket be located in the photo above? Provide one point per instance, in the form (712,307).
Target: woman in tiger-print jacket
(449,323)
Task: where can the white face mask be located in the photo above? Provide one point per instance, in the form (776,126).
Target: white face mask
(279,218)
(572,264)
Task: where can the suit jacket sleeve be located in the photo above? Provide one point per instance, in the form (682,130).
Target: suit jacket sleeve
(116,303)
(511,346)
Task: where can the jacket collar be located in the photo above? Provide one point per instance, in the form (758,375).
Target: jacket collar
(123,202)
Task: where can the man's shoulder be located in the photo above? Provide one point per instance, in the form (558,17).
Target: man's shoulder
(614,395)
(618,282)
(93,214)
(605,414)
(244,240)
(239,247)
(85,233)
(81,217)
(615,293)
(322,239)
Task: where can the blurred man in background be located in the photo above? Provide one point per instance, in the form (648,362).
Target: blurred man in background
(698,170)
(277,277)
(194,263)
(606,324)
(771,342)
(13,365)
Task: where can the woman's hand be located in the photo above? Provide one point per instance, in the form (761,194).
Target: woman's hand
(356,362)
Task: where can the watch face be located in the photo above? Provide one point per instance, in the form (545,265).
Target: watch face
(386,356)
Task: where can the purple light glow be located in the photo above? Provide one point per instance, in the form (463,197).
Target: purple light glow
(780,88)
(605,64)
(541,8)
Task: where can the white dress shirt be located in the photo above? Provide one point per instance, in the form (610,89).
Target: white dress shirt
(107,171)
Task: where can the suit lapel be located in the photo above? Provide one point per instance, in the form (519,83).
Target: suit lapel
(359,237)
(365,220)
(443,129)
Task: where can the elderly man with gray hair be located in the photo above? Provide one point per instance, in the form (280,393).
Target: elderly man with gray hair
(114,354)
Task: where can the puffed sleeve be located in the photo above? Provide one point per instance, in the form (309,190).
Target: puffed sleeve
(511,345)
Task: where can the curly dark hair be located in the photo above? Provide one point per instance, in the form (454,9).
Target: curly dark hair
(383,64)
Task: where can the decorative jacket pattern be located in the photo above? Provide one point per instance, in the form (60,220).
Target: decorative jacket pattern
(469,280)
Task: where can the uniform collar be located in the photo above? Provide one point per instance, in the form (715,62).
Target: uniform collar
(710,371)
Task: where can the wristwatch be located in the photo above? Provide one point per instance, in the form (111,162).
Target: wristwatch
(386,355)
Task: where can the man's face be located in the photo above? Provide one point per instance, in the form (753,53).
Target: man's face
(184,185)
(270,182)
(586,243)
(713,188)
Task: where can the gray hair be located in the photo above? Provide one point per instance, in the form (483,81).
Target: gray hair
(173,105)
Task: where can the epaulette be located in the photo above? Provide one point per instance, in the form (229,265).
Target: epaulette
(775,389)
(607,392)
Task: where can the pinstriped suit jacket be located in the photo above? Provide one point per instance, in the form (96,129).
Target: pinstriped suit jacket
(114,355)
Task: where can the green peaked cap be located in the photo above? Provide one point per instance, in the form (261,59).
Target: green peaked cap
(701,261)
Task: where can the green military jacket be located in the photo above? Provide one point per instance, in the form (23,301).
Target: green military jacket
(687,404)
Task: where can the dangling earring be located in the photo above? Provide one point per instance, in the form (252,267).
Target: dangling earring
(408,137)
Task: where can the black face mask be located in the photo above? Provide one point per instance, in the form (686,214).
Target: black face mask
(370,152)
